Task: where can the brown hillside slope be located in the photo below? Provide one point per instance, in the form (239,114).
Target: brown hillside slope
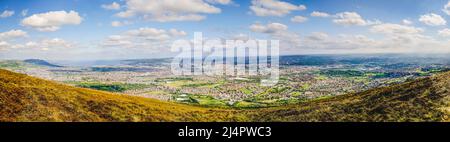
(25,98)
(426,99)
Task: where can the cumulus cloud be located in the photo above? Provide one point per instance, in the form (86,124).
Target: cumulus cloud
(142,37)
(396,38)
(12,34)
(406,22)
(319,14)
(155,34)
(406,37)
(119,23)
(447,8)
(349,18)
(117,41)
(356,41)
(169,10)
(269,28)
(278,31)
(299,19)
(52,21)
(345,43)
(112,6)
(395,29)
(318,36)
(223,2)
(6,13)
(44,44)
(432,19)
(55,42)
(116,23)
(444,32)
(241,36)
(4,44)
(273,8)
(47,44)
(321,40)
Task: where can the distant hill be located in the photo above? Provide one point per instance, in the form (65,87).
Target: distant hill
(40,63)
(147,62)
(25,98)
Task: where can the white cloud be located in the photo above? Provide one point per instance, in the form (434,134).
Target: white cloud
(55,42)
(273,8)
(45,44)
(117,41)
(299,19)
(12,34)
(318,36)
(444,32)
(168,10)
(143,37)
(119,23)
(356,41)
(6,13)
(432,19)
(404,36)
(447,8)
(116,23)
(395,29)
(320,40)
(155,34)
(319,14)
(269,28)
(392,43)
(112,6)
(4,44)
(176,17)
(349,18)
(176,33)
(406,22)
(397,38)
(24,12)
(224,2)
(278,31)
(52,21)
(241,36)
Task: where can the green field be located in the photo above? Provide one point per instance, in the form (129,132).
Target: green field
(113,87)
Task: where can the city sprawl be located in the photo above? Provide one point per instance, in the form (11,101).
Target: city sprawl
(302,78)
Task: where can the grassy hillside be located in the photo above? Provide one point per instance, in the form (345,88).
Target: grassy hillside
(25,98)
(425,99)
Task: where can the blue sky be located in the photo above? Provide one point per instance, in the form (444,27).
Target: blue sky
(85,30)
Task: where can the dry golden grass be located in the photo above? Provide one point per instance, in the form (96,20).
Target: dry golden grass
(25,98)
(424,99)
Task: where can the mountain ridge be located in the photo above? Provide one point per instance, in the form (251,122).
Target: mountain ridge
(40,62)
